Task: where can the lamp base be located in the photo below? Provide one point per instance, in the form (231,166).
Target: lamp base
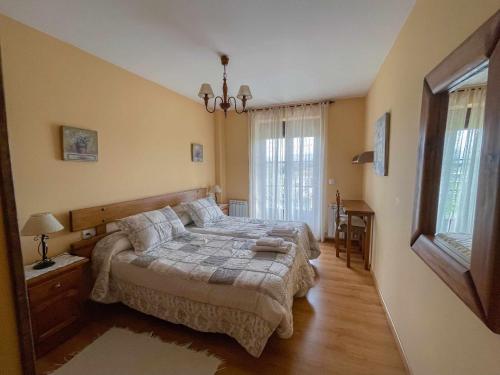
(44,264)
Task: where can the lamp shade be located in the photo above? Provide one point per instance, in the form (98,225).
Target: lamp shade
(216,189)
(244,92)
(41,223)
(206,89)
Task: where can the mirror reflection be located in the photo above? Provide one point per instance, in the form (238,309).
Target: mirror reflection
(460,165)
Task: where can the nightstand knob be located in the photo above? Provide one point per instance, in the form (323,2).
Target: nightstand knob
(57,286)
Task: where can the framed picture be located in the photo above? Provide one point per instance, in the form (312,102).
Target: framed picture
(381,145)
(196,152)
(79,144)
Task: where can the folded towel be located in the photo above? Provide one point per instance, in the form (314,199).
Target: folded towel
(275,249)
(270,241)
(282,233)
(283,227)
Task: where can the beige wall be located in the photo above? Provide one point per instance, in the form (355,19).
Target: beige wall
(10,359)
(145,131)
(236,151)
(346,125)
(220,154)
(439,333)
(346,119)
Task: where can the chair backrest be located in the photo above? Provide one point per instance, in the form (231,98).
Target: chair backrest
(337,219)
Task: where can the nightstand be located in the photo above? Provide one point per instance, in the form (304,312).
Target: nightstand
(57,298)
(224,208)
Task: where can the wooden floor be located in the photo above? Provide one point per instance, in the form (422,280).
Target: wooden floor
(339,328)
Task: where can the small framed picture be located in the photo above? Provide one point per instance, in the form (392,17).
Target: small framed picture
(196,152)
(79,144)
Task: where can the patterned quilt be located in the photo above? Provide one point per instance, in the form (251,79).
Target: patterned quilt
(245,227)
(224,272)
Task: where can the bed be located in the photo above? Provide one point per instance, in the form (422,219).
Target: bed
(245,227)
(208,282)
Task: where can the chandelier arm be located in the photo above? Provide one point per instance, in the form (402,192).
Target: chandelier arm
(235,106)
(215,104)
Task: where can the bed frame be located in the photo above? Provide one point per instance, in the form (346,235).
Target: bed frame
(97,217)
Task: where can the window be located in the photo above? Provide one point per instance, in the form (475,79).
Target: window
(287,165)
(460,169)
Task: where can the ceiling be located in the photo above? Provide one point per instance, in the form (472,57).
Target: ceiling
(286,50)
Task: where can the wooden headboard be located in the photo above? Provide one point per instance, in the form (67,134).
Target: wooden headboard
(97,217)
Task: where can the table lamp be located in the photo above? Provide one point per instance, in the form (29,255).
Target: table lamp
(39,225)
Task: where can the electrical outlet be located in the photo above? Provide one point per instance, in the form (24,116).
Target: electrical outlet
(88,233)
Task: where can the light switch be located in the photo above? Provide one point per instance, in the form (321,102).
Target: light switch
(331,181)
(88,233)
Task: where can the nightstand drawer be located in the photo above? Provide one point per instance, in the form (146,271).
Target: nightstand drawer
(56,313)
(57,300)
(56,319)
(57,285)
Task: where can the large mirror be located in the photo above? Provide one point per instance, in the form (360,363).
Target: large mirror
(460,164)
(457,194)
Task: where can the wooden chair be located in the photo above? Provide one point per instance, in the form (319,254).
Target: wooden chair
(357,227)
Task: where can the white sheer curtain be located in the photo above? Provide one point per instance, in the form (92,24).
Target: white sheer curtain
(267,154)
(287,162)
(461,154)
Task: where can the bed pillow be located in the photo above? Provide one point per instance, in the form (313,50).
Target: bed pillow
(204,211)
(177,224)
(183,214)
(150,229)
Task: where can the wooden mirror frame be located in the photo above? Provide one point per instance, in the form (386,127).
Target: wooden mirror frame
(14,255)
(479,285)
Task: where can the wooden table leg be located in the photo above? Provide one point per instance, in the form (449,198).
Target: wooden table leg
(367,246)
(348,241)
(337,240)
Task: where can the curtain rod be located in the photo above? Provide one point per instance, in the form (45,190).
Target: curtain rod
(291,105)
(471,87)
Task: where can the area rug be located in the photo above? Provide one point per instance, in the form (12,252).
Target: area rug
(122,352)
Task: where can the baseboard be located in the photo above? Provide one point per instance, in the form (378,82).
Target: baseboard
(392,326)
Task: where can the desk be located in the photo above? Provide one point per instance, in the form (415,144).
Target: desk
(359,208)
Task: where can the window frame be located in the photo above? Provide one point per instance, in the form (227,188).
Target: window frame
(478,285)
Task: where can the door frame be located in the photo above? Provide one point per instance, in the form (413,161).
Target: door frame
(14,254)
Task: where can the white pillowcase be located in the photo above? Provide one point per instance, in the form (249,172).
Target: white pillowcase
(150,229)
(183,214)
(204,211)
(177,225)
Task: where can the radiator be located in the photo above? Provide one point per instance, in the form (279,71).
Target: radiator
(238,208)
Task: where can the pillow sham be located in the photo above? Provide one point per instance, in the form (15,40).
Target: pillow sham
(177,225)
(182,213)
(204,211)
(148,230)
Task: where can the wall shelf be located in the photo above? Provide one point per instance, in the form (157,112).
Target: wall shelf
(364,157)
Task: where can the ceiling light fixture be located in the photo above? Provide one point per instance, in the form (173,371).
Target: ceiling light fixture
(206,93)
